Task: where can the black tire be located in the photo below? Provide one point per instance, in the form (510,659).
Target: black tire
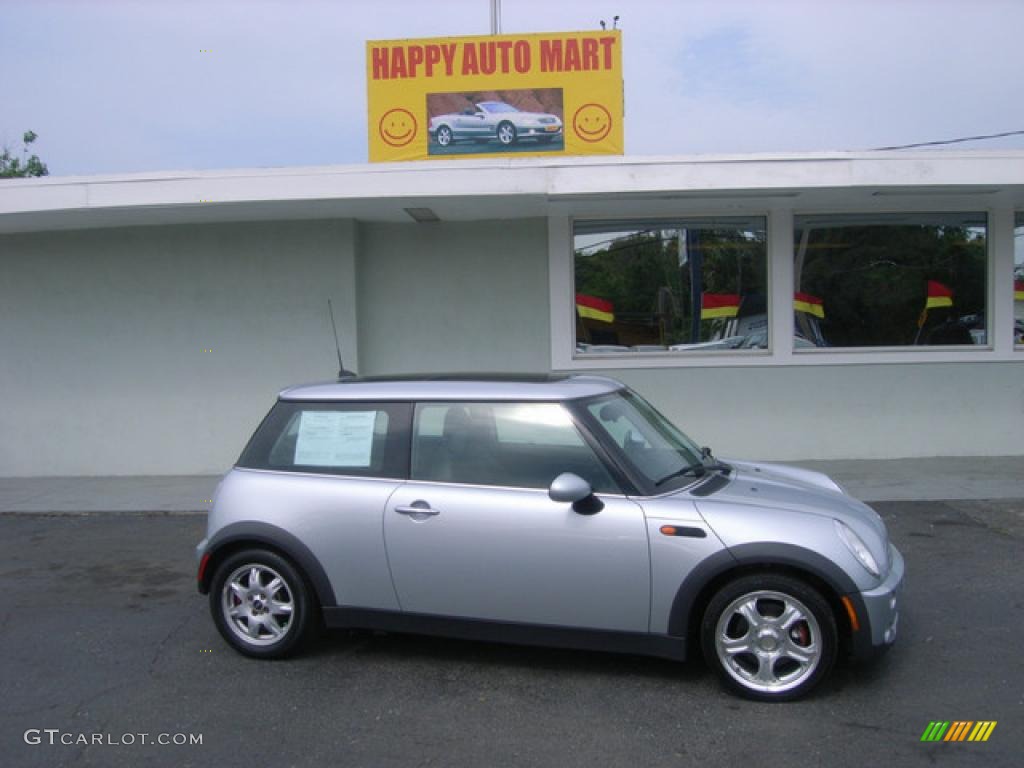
(506,133)
(445,136)
(792,640)
(252,617)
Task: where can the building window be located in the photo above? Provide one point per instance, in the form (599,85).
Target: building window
(685,285)
(890,280)
(1018,280)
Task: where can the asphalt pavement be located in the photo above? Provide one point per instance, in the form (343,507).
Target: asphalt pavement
(104,637)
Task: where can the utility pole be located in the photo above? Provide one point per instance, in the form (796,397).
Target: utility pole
(495,17)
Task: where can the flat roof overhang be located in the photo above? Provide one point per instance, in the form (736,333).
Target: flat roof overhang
(475,190)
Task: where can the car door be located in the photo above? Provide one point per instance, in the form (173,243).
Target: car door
(474,534)
(470,124)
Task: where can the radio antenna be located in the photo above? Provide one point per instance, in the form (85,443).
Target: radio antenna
(342,373)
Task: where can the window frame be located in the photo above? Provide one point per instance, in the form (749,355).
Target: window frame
(780,240)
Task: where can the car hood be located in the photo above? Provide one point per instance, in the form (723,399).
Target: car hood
(777,486)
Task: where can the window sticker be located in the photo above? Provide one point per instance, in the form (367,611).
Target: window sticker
(335,439)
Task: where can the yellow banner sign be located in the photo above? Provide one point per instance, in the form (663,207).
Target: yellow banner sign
(549,94)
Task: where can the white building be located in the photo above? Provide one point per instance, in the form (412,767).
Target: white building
(147,321)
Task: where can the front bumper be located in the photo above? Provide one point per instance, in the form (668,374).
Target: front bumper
(881,610)
(532,130)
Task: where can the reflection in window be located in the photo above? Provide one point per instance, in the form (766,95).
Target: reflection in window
(680,285)
(885,280)
(1018,280)
(525,445)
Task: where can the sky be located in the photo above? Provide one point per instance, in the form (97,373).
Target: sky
(124,86)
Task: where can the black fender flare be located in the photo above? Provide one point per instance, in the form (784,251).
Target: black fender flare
(765,554)
(256,533)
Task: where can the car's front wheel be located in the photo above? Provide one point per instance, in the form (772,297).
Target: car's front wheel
(507,134)
(770,637)
(260,604)
(444,136)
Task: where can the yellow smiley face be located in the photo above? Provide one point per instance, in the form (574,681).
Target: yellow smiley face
(592,122)
(397,127)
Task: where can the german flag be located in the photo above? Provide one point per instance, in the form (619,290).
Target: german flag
(595,308)
(939,295)
(1018,290)
(714,305)
(812,305)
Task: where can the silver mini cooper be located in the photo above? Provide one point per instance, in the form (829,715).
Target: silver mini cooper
(562,511)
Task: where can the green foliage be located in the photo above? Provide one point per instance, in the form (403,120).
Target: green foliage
(12,166)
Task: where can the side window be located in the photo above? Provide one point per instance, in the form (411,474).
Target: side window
(522,445)
(362,439)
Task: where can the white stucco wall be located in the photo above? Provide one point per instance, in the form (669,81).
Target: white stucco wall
(102,332)
(453,297)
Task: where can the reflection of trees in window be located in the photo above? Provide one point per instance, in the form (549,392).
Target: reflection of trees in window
(874,277)
(648,275)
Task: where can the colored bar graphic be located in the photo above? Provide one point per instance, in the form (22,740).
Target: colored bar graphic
(958,730)
(935,730)
(982,730)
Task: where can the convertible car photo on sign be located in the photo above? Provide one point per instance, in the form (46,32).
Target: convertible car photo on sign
(528,120)
(562,511)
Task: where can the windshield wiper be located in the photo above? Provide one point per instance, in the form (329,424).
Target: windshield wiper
(697,469)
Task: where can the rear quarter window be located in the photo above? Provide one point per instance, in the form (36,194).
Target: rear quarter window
(361,439)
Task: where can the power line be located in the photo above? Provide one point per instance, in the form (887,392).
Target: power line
(950,141)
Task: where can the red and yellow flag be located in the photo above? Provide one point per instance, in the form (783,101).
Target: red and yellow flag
(714,305)
(812,305)
(595,308)
(1018,290)
(939,295)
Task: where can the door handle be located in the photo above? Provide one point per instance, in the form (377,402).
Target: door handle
(418,508)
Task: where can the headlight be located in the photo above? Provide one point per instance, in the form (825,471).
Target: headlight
(854,543)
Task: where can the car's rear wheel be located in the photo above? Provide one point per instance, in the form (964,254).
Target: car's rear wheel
(507,134)
(444,136)
(261,604)
(770,637)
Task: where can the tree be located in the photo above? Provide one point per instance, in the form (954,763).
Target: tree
(26,165)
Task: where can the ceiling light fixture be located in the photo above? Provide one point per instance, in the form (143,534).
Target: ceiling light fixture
(422,215)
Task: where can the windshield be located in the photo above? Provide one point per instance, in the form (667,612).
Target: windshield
(649,441)
(496,106)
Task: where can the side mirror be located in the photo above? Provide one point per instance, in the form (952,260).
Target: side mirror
(571,488)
